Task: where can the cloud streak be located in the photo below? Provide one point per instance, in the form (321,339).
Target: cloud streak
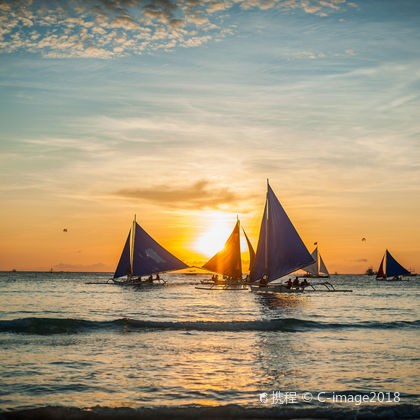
(108,28)
(199,195)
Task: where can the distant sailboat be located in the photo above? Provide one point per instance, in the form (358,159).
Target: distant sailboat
(389,267)
(143,256)
(318,268)
(228,261)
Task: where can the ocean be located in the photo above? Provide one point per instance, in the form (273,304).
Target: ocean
(72,349)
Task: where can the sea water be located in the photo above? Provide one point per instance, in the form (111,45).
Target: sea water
(67,343)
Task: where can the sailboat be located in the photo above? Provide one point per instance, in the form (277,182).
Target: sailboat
(316,269)
(143,256)
(280,251)
(228,263)
(389,267)
(251,251)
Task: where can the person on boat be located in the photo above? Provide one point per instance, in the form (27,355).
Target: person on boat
(264,280)
(304,284)
(150,279)
(157,277)
(289,283)
(296,283)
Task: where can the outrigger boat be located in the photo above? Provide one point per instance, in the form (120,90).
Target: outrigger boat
(228,264)
(225,285)
(143,256)
(280,252)
(322,287)
(389,267)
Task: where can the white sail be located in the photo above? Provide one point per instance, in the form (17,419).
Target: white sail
(313,268)
(318,267)
(322,268)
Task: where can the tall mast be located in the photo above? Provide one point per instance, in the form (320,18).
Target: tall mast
(133,234)
(239,240)
(266,235)
(317,259)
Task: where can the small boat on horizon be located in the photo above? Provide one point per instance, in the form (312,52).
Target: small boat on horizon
(370,272)
(143,256)
(389,267)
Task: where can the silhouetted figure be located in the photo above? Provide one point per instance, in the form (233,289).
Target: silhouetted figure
(264,280)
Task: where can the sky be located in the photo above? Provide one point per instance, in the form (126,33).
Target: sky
(178,112)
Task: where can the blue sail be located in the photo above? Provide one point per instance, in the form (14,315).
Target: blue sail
(258,268)
(393,268)
(123,267)
(149,257)
(280,249)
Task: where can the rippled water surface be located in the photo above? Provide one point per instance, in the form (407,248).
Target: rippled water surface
(65,342)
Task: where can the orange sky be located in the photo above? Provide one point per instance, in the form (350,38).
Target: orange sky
(96,235)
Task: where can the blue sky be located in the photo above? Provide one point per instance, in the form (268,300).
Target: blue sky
(170,108)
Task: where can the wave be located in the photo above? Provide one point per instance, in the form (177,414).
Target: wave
(47,326)
(231,411)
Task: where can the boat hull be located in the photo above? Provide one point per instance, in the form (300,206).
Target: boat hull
(310,276)
(274,289)
(311,288)
(223,287)
(138,283)
(392,280)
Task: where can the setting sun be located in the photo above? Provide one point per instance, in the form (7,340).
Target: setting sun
(213,240)
(218,229)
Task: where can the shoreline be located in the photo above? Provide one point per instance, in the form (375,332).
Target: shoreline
(231,411)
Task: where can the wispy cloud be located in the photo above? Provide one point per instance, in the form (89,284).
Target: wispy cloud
(198,195)
(107,28)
